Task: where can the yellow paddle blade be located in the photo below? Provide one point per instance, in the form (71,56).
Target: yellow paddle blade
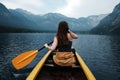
(24,59)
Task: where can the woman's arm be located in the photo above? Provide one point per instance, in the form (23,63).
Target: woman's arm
(73,35)
(53,46)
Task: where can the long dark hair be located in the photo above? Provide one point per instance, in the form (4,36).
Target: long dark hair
(62,33)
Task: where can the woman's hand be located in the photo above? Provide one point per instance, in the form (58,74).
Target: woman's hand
(73,35)
(69,31)
(46,45)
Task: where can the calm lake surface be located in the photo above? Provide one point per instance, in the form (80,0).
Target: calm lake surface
(100,52)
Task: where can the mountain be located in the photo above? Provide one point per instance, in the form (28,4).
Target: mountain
(91,21)
(19,20)
(95,19)
(110,24)
(3,10)
(11,21)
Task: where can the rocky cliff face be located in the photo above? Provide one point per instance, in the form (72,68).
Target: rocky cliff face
(110,24)
(3,10)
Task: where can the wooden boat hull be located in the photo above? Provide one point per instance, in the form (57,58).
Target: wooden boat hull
(46,70)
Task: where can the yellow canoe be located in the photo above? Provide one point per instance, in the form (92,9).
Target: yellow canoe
(45,70)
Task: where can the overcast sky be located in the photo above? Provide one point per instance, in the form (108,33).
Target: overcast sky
(70,8)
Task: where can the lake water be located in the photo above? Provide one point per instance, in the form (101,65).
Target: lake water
(100,52)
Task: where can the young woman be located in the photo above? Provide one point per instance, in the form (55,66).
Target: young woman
(62,44)
(63,39)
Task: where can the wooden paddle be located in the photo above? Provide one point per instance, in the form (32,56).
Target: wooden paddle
(25,58)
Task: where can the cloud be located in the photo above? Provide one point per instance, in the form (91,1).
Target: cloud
(84,8)
(35,6)
(30,5)
(71,8)
(50,6)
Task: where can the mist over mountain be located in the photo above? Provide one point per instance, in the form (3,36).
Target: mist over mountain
(110,24)
(19,20)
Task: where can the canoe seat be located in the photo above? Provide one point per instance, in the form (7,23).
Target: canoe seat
(52,65)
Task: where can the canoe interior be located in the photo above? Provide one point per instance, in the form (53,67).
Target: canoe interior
(52,72)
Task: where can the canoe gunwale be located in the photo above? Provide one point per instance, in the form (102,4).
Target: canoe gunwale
(38,67)
(85,68)
(89,75)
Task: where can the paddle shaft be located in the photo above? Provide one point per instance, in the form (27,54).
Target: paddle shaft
(44,46)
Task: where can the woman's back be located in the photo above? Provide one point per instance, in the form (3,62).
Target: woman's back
(66,47)
(63,38)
